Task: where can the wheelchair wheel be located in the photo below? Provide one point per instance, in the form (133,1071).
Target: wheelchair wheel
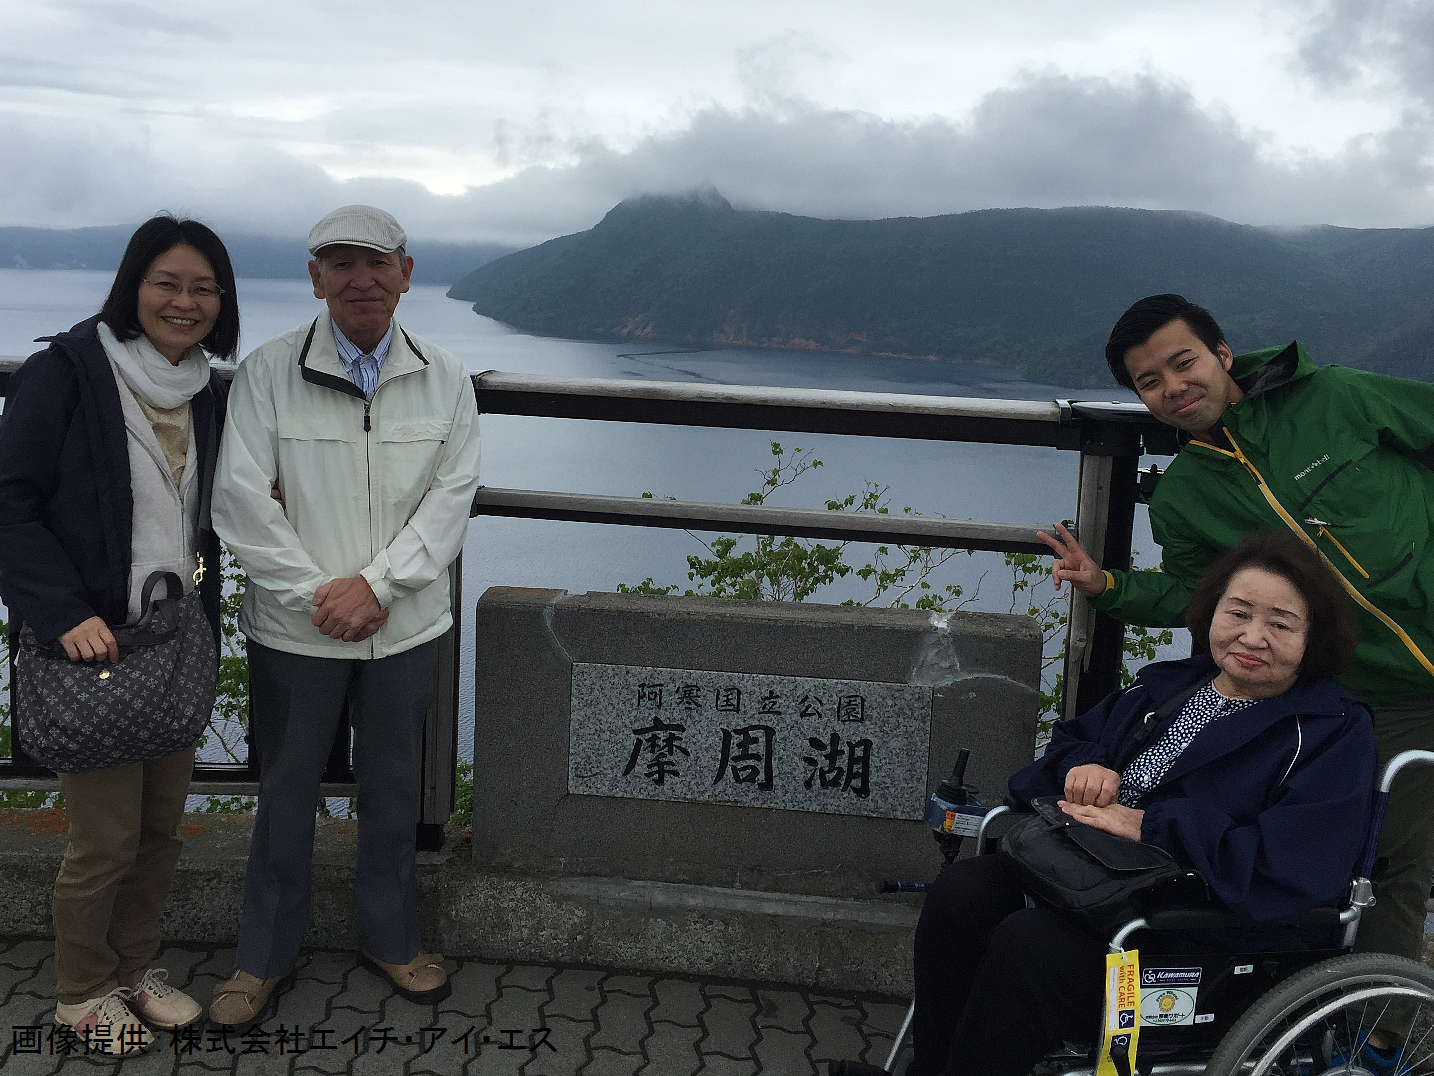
(1288,1030)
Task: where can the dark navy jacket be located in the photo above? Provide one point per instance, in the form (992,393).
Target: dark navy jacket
(66,509)
(1270,803)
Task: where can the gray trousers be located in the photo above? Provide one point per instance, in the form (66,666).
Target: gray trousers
(295,706)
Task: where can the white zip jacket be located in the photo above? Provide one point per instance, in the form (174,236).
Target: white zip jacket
(378,488)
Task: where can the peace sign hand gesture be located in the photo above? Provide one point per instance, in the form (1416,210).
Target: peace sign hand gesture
(1073,563)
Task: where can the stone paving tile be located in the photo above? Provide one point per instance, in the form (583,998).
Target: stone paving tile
(516,1017)
(672,1050)
(363,992)
(715,1065)
(408,1017)
(43,981)
(15,980)
(884,1017)
(212,968)
(729,1028)
(475,987)
(613,1063)
(491,1061)
(327,967)
(836,1031)
(305,1002)
(735,991)
(181,963)
(528,976)
(322,1061)
(678,1001)
(574,994)
(638,985)
(30,1065)
(784,1009)
(568,1052)
(27,952)
(783,1053)
(621,1022)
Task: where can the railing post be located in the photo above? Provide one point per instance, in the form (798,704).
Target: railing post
(1092,511)
(440,725)
(1105,518)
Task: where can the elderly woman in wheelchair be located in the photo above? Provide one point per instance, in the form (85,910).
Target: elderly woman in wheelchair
(1259,776)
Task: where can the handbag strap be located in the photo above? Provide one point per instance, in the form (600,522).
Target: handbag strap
(1157,720)
(173,589)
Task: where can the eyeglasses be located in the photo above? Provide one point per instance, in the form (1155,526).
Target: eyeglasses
(172,290)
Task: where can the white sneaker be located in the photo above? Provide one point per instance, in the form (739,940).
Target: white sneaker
(160,1005)
(104,1025)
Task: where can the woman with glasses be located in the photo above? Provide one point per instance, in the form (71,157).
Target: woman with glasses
(106,462)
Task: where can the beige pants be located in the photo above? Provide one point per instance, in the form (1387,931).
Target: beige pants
(117,871)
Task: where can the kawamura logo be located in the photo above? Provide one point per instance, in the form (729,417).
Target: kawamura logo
(1322,460)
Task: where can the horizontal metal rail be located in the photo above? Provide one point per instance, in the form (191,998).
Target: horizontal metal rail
(200,786)
(1091,427)
(1087,426)
(761,519)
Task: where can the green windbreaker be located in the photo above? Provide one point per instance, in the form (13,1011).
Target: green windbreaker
(1325,453)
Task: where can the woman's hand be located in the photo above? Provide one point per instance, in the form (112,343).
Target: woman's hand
(1117,819)
(1092,785)
(90,640)
(1073,563)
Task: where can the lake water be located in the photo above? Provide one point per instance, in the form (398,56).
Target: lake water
(1014,484)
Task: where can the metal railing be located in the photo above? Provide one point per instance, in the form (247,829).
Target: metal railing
(1110,438)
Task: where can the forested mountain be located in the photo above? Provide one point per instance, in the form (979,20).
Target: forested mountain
(1035,290)
(252,255)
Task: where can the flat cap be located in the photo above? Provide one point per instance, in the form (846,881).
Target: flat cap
(360,225)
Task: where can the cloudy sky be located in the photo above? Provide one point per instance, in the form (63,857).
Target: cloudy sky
(516,122)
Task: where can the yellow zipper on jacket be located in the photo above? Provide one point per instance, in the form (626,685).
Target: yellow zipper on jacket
(1354,593)
(1324,529)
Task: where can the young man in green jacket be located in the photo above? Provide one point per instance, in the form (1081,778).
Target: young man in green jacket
(1271,440)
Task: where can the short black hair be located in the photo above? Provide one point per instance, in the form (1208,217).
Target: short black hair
(1333,629)
(1149,316)
(150,240)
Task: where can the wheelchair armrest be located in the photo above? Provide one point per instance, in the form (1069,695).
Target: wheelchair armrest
(1204,917)
(985,842)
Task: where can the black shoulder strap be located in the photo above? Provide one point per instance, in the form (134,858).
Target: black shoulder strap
(1157,721)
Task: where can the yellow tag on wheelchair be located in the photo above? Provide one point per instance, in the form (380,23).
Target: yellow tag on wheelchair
(1120,1032)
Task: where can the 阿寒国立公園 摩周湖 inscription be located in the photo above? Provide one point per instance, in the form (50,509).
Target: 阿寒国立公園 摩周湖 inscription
(787,742)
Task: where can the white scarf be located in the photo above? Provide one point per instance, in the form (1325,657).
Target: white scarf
(151,376)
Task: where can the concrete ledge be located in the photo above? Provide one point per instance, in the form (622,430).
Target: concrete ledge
(698,930)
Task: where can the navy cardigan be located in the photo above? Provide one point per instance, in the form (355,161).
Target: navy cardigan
(66,506)
(1270,803)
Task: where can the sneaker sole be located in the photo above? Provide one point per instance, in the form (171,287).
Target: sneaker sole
(418,997)
(270,1002)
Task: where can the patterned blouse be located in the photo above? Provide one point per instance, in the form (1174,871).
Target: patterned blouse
(1148,768)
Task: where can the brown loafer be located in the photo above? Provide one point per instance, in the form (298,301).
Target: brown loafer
(241,999)
(422,980)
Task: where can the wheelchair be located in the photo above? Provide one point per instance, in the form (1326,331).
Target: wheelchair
(1253,1014)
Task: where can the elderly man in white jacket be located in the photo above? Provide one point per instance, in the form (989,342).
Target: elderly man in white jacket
(344,482)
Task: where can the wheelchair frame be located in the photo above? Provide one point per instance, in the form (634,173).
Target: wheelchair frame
(1298,1000)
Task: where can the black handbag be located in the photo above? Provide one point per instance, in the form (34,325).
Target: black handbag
(76,716)
(1102,879)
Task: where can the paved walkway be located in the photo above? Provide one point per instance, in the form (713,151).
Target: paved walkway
(501,1019)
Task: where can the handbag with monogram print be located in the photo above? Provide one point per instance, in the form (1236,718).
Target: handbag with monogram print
(75,716)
